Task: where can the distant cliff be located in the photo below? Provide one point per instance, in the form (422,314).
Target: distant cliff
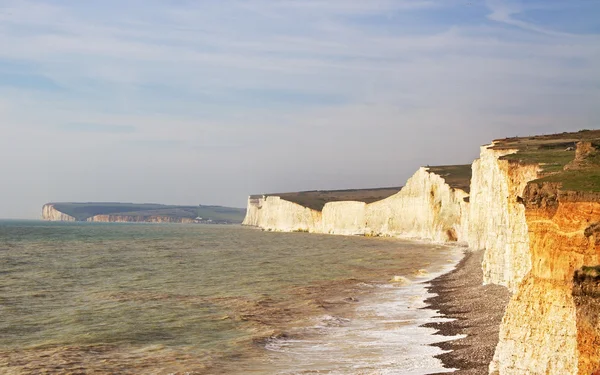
(426,208)
(149,213)
(49,212)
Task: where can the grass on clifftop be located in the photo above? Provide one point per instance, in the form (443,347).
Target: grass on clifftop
(577,180)
(316,199)
(457,176)
(553,152)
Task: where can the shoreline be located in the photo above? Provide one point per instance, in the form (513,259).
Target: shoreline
(476,310)
(394,312)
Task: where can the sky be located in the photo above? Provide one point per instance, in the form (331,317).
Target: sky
(206,101)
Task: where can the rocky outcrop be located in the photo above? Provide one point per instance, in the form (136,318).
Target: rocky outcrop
(50,213)
(583,152)
(139,219)
(426,208)
(497,218)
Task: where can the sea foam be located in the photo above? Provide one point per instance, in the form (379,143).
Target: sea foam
(385,336)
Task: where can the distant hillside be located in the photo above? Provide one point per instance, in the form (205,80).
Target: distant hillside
(144,212)
(457,176)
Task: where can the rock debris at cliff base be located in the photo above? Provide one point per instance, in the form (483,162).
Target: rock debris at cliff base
(477,310)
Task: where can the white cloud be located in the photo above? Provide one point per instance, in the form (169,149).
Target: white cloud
(504,11)
(226,86)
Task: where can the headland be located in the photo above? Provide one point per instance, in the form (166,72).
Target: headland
(114,212)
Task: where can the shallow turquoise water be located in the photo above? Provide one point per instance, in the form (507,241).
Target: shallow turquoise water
(134,298)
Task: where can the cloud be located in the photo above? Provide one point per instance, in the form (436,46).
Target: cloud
(28,81)
(97,128)
(505,12)
(274,95)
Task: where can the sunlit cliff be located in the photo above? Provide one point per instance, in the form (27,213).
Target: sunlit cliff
(534,208)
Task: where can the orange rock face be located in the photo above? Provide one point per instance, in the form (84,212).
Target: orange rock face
(563,239)
(551,325)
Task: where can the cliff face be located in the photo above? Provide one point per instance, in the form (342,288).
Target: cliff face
(586,294)
(426,208)
(138,219)
(276,214)
(543,330)
(497,219)
(540,241)
(50,213)
(253,211)
(347,218)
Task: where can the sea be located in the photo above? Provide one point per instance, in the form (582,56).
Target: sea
(174,299)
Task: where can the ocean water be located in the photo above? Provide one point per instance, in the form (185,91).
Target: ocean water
(83,298)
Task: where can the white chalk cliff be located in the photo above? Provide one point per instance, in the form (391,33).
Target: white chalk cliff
(343,218)
(426,208)
(531,248)
(497,218)
(276,214)
(50,213)
(440,215)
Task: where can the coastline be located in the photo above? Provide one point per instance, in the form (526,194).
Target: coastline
(477,311)
(387,325)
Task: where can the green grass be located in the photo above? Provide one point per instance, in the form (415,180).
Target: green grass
(82,211)
(577,180)
(457,176)
(586,177)
(552,153)
(316,199)
(550,160)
